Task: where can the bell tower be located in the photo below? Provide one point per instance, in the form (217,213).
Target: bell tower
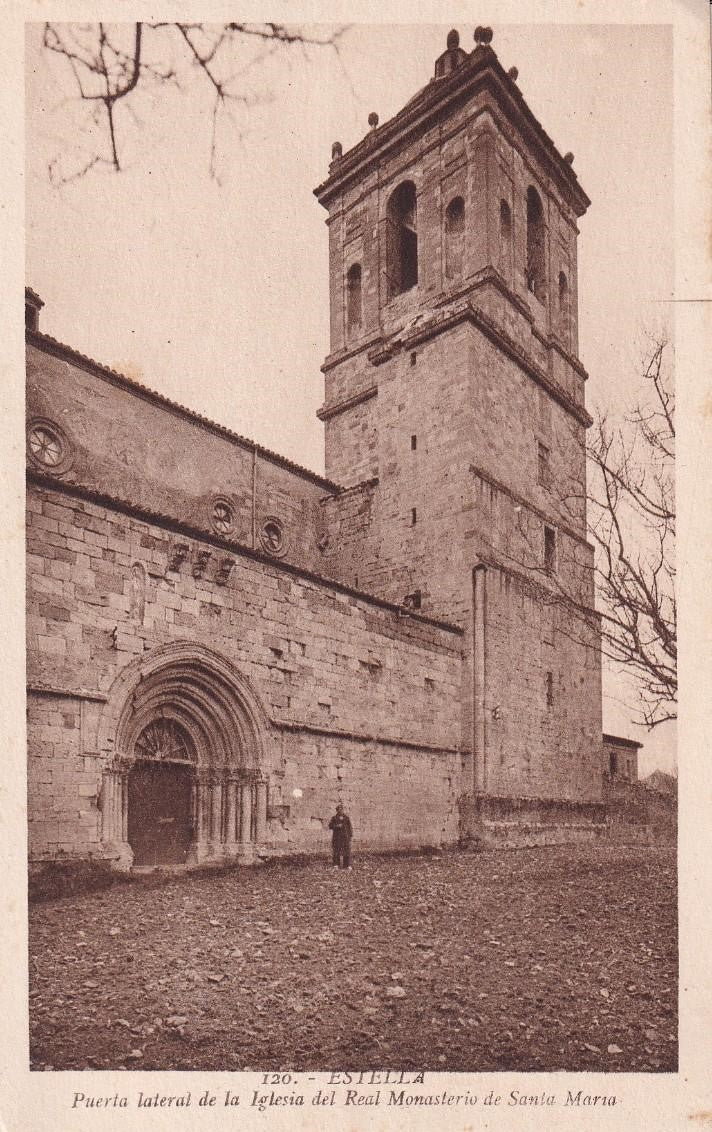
(454,409)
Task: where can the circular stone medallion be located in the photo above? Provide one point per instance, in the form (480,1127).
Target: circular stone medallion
(47,447)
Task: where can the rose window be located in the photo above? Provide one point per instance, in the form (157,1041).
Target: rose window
(223,516)
(272,536)
(47,447)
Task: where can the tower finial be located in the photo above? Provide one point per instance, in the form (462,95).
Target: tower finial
(483,35)
(373,119)
(453,40)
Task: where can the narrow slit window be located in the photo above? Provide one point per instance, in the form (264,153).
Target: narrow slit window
(550,689)
(413,517)
(543,465)
(550,550)
(413,443)
(564,305)
(505,224)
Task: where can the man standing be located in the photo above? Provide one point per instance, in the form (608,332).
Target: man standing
(341,834)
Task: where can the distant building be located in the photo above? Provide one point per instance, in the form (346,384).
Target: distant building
(221,644)
(620,758)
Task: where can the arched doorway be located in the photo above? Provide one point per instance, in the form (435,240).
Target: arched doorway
(186,744)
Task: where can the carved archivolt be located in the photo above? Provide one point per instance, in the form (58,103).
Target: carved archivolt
(194,695)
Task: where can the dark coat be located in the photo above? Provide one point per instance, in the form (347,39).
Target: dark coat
(341,829)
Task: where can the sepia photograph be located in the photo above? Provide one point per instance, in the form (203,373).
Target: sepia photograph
(351,630)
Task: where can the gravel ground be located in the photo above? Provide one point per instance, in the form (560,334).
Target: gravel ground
(559,958)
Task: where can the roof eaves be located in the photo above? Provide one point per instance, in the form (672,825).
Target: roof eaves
(620,741)
(62,350)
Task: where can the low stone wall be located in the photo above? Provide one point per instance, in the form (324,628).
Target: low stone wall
(513,823)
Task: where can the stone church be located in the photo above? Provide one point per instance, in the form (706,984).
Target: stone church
(223,644)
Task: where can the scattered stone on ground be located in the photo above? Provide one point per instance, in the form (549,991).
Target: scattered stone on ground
(542,959)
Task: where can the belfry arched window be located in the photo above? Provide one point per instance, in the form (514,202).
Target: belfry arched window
(454,237)
(353,299)
(402,240)
(535,244)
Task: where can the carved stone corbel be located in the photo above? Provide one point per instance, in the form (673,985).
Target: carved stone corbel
(177,555)
(200,564)
(225,568)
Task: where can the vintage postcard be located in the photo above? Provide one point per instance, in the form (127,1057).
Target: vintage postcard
(346,537)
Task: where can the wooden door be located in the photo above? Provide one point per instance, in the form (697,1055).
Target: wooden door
(160,827)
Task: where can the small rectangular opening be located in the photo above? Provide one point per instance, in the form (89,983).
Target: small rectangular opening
(413,358)
(543,465)
(413,517)
(550,689)
(549,550)
(413,443)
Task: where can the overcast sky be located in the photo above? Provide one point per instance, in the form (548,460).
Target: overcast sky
(216,294)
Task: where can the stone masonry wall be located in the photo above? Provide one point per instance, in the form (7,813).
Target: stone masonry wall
(471,483)
(542,706)
(163,459)
(362,701)
(459,433)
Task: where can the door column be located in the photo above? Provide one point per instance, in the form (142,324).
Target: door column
(245,814)
(114,802)
(231,813)
(124,789)
(108,806)
(201,817)
(260,810)
(216,811)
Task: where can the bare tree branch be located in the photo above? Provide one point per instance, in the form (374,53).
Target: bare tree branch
(110,65)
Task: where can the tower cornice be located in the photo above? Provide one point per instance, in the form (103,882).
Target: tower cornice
(480,71)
